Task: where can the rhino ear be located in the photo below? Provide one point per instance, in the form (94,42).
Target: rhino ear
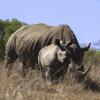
(87,47)
(69,43)
(56,41)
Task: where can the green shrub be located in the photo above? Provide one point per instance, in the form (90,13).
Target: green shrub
(7,27)
(2,48)
(93,57)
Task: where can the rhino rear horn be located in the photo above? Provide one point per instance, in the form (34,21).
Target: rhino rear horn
(68,43)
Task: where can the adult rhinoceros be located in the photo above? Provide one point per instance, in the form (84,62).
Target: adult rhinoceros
(26,43)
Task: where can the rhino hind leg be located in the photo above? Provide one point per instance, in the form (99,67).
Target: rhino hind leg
(24,69)
(8,65)
(10,58)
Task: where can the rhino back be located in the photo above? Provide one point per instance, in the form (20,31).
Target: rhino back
(44,33)
(47,55)
(28,40)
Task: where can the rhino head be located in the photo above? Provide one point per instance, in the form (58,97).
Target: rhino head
(76,59)
(62,53)
(80,75)
(76,53)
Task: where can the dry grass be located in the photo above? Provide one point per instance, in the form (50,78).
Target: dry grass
(33,87)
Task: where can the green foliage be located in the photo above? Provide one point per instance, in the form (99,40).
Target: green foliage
(93,56)
(7,27)
(2,48)
(91,52)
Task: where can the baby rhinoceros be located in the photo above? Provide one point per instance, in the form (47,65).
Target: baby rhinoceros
(53,61)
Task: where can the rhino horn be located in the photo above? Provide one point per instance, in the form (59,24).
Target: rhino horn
(87,47)
(68,43)
(85,72)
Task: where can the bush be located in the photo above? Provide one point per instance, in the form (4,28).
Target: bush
(7,27)
(93,57)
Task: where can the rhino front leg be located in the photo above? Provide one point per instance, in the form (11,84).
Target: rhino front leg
(49,74)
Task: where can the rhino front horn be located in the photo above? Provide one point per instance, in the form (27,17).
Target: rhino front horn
(84,73)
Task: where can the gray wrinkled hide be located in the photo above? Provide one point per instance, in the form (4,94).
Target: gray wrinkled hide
(26,42)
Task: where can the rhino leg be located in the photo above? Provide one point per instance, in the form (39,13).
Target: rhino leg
(63,72)
(60,73)
(10,58)
(49,74)
(24,69)
(8,65)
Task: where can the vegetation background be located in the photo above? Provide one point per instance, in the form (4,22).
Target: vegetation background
(34,88)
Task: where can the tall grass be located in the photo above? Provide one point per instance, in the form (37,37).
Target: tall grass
(33,87)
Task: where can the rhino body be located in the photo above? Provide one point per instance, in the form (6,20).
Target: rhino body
(53,61)
(26,43)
